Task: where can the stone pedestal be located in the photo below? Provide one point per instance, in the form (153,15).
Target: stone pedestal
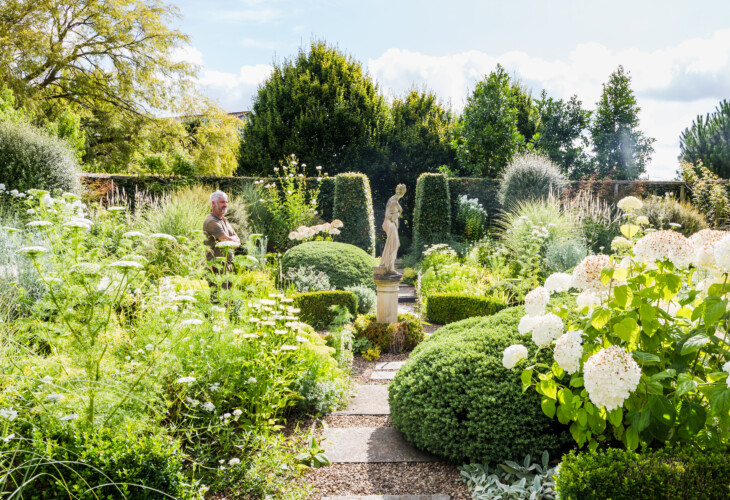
(387,305)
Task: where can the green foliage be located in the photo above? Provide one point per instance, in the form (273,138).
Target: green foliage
(353,205)
(665,210)
(366,298)
(708,141)
(432,214)
(32,159)
(681,473)
(621,149)
(180,213)
(708,195)
(409,275)
(564,255)
(306,279)
(486,137)
(511,480)
(345,265)
(485,190)
(446,308)
(599,221)
(561,134)
(404,335)
(471,219)
(315,306)
(454,398)
(530,177)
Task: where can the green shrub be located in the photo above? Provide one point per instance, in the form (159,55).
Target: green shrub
(454,398)
(366,298)
(665,210)
(354,207)
(32,159)
(409,275)
(443,308)
(326,198)
(563,255)
(315,306)
(345,265)
(395,337)
(530,177)
(682,473)
(432,214)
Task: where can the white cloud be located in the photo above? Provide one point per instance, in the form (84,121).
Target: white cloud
(234,92)
(263,16)
(188,54)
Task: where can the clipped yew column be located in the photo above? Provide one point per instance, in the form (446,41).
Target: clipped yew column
(387,304)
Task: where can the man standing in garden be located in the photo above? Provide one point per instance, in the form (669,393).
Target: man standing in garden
(217,229)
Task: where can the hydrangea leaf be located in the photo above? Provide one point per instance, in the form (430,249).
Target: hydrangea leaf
(548,407)
(662,409)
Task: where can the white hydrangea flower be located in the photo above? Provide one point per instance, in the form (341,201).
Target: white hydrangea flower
(722,254)
(629,204)
(610,376)
(569,350)
(588,298)
(587,274)
(513,355)
(559,282)
(536,301)
(527,323)
(548,328)
(664,245)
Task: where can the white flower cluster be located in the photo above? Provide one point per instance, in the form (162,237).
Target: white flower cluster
(704,243)
(629,204)
(536,301)
(664,245)
(513,355)
(305,232)
(546,329)
(587,274)
(569,350)
(610,376)
(559,282)
(722,254)
(471,204)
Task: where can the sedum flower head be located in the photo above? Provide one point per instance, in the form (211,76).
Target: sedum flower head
(629,204)
(664,245)
(536,301)
(610,376)
(587,274)
(513,355)
(558,282)
(569,350)
(546,329)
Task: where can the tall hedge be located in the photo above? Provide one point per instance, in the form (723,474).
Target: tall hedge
(354,207)
(432,215)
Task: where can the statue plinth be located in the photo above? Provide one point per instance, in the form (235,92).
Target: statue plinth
(388,285)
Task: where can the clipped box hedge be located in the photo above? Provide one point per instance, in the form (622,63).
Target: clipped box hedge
(444,308)
(680,473)
(345,265)
(353,205)
(315,306)
(432,213)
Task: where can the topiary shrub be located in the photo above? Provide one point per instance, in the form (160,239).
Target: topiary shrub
(344,264)
(395,337)
(681,473)
(366,298)
(315,306)
(454,398)
(432,214)
(665,210)
(32,159)
(530,176)
(443,308)
(353,205)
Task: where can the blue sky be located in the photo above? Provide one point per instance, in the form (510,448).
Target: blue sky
(678,52)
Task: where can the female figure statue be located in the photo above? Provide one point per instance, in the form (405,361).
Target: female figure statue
(390,226)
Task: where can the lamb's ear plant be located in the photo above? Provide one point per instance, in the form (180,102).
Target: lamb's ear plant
(511,480)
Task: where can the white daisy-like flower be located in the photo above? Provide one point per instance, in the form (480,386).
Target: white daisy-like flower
(192,321)
(302,339)
(162,236)
(587,274)
(610,376)
(629,204)
(133,234)
(559,282)
(548,328)
(39,223)
(186,380)
(569,350)
(249,336)
(527,323)
(280,332)
(513,355)
(32,251)
(126,264)
(664,245)
(536,301)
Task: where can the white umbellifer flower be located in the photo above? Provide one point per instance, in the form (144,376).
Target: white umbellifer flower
(192,321)
(664,245)
(183,298)
(32,251)
(39,223)
(629,204)
(513,355)
(10,229)
(133,234)
(587,274)
(587,298)
(569,350)
(251,380)
(548,328)
(234,461)
(227,244)
(527,323)
(620,243)
(722,254)
(55,397)
(237,413)
(559,282)
(536,301)
(126,264)
(289,347)
(208,406)
(186,380)
(87,268)
(610,376)
(162,236)
(642,220)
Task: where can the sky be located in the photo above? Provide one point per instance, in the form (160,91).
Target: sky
(676,52)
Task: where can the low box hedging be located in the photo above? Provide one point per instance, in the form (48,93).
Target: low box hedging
(353,205)
(432,213)
(679,473)
(407,333)
(345,265)
(444,308)
(315,306)
(454,398)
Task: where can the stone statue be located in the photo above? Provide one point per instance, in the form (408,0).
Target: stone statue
(390,226)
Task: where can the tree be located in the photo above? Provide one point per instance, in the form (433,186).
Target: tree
(560,134)
(321,107)
(708,141)
(487,136)
(621,149)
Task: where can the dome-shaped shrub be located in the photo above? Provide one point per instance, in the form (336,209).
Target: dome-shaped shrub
(454,398)
(665,210)
(530,177)
(32,159)
(344,264)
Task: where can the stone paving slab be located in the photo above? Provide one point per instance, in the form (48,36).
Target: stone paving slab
(370,445)
(369,400)
(382,375)
(390,497)
(390,365)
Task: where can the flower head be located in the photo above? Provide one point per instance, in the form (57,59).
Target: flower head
(664,245)
(620,243)
(39,223)
(722,254)
(162,236)
(527,323)
(132,234)
(546,329)
(536,301)
(569,350)
(513,355)
(610,376)
(587,274)
(32,251)
(558,282)
(629,204)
